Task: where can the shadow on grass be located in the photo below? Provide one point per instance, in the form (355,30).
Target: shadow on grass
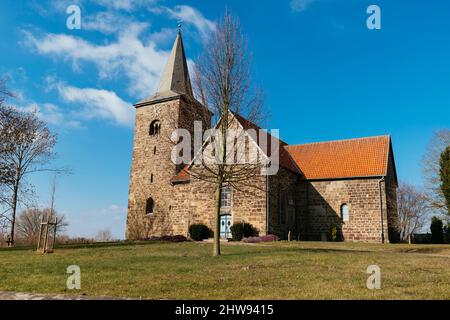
(91,245)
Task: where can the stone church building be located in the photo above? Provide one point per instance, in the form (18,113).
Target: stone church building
(348,184)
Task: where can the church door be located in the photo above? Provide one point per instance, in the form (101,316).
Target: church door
(225,225)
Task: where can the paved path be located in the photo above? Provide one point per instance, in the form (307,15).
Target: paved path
(9,295)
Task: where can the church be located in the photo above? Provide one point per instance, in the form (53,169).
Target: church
(347,185)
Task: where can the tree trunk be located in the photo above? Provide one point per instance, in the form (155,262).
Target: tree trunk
(14,209)
(216,251)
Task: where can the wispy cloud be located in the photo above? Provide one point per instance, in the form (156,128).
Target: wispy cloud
(53,115)
(130,53)
(98,104)
(300,5)
(192,16)
(127,5)
(141,63)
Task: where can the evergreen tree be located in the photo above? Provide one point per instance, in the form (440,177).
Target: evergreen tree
(437,231)
(444,173)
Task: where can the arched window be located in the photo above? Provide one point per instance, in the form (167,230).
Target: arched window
(155,128)
(344,213)
(150,206)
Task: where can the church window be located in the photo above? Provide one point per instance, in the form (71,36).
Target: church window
(155,128)
(149,206)
(151,178)
(344,213)
(225,199)
(154,150)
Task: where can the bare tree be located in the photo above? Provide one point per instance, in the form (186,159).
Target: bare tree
(223,84)
(431,167)
(5,114)
(413,209)
(29,222)
(29,148)
(104,236)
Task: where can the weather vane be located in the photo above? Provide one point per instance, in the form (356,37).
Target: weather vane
(179,25)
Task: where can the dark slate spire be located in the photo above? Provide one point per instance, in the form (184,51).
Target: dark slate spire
(175,79)
(176,75)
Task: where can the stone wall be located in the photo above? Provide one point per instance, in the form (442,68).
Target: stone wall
(152,168)
(391,196)
(283,204)
(362,196)
(194,202)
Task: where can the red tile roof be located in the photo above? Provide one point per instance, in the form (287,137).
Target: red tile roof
(363,157)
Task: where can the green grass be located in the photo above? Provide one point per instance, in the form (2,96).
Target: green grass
(295,270)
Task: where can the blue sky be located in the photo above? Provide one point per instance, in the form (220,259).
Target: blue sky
(326,77)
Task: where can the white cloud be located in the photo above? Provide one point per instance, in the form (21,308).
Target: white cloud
(300,5)
(141,63)
(97,103)
(106,22)
(48,112)
(191,15)
(127,5)
(127,56)
(53,115)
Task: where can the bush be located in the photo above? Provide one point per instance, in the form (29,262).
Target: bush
(199,232)
(267,238)
(332,233)
(242,230)
(437,231)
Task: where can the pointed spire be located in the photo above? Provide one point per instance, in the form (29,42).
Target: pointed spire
(176,75)
(175,80)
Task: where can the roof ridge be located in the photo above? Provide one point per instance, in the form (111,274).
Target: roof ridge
(340,140)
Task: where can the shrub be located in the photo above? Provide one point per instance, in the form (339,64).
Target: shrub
(437,232)
(332,233)
(251,239)
(267,238)
(242,230)
(199,232)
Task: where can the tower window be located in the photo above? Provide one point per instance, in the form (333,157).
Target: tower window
(155,128)
(149,206)
(344,213)
(225,199)
(151,178)
(154,150)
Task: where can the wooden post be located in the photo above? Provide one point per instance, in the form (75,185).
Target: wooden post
(40,234)
(54,233)
(44,249)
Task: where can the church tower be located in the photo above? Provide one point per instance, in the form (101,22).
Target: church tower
(173,106)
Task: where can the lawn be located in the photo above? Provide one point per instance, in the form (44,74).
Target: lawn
(282,270)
